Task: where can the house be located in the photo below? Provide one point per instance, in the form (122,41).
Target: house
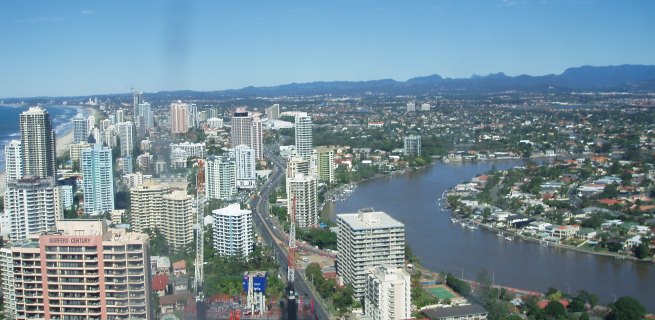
(179,284)
(471,311)
(159,284)
(159,264)
(179,268)
(564,232)
(171,303)
(586,234)
(632,242)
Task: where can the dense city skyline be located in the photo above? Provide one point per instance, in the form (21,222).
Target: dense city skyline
(79,48)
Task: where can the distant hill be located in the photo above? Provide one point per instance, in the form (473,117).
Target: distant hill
(631,78)
(587,78)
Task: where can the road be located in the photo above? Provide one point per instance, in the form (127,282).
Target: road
(276,238)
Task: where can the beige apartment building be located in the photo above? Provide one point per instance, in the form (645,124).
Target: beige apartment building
(83,270)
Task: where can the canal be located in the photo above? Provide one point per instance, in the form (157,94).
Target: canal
(444,246)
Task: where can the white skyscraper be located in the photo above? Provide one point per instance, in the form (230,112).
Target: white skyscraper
(126,137)
(98,179)
(192,115)
(80,129)
(233,234)
(388,293)
(304,189)
(143,118)
(32,205)
(220,177)
(176,220)
(304,144)
(367,239)
(13,161)
(120,116)
(245,165)
(37,143)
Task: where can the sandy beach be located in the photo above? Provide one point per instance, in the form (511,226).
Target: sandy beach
(66,139)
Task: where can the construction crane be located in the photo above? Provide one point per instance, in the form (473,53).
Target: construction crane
(200,215)
(292,303)
(291,265)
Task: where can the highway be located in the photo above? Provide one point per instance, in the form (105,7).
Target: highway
(276,238)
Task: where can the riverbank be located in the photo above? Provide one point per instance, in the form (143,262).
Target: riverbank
(514,234)
(442,247)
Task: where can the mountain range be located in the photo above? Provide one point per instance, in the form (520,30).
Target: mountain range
(623,78)
(631,78)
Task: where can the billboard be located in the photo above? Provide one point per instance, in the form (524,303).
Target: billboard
(258,283)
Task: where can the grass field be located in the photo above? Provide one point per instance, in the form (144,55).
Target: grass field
(441,293)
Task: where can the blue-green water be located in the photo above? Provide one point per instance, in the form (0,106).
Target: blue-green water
(9,123)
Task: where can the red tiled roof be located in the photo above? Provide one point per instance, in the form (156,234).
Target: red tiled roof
(159,282)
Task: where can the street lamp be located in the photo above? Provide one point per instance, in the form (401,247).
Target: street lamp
(613,295)
(569,285)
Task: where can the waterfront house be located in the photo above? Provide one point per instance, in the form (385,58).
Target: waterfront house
(586,234)
(632,242)
(564,232)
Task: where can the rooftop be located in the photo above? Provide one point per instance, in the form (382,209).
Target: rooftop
(370,220)
(454,311)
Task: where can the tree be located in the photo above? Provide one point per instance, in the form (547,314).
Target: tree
(588,297)
(626,308)
(555,310)
(641,251)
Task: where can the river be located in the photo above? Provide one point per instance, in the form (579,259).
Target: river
(444,246)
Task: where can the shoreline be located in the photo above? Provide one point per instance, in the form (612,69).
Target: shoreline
(63,139)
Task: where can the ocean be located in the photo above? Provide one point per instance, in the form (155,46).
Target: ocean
(9,123)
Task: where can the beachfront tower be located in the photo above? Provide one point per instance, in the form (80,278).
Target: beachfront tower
(32,205)
(98,179)
(13,161)
(37,143)
(80,129)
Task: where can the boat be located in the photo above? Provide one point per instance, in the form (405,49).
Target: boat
(500,233)
(472,226)
(453,220)
(508,238)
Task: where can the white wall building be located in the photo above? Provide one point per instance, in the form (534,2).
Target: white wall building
(220,177)
(13,161)
(304,189)
(303,135)
(367,239)
(246,176)
(233,234)
(126,137)
(412,146)
(388,293)
(32,205)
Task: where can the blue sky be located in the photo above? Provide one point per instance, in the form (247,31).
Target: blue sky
(56,48)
